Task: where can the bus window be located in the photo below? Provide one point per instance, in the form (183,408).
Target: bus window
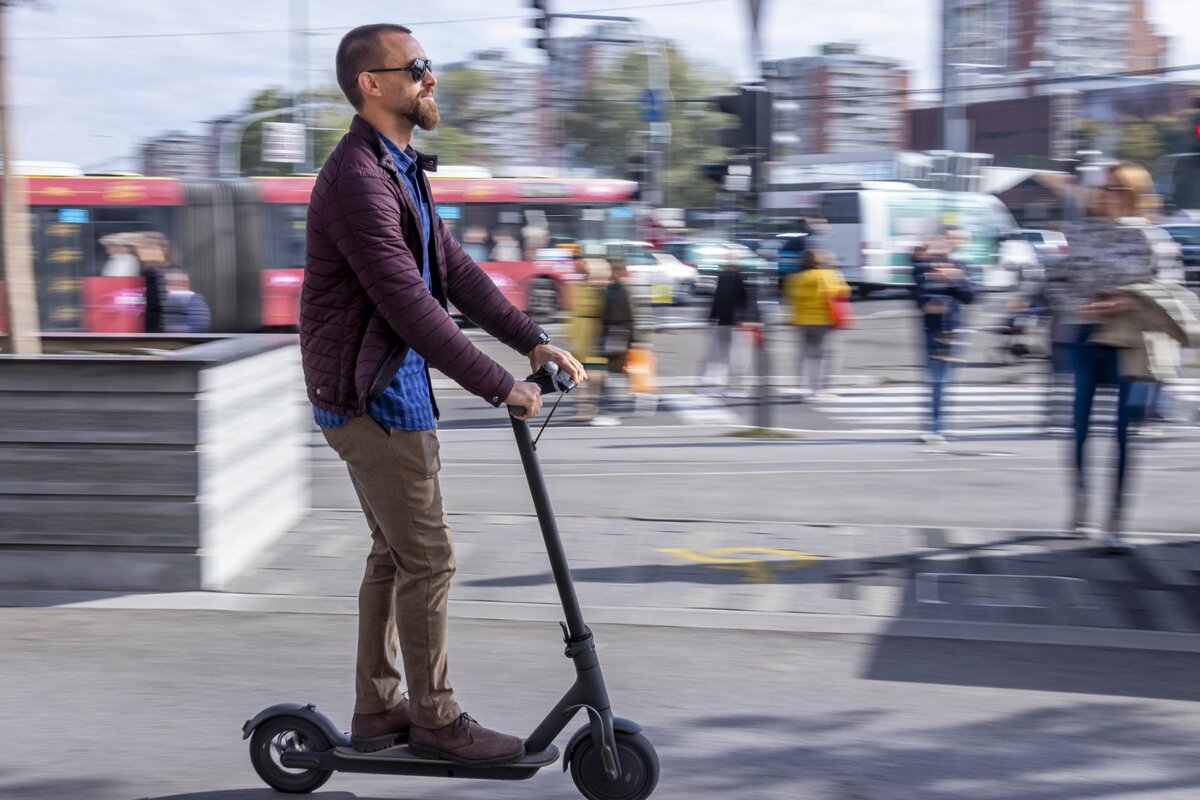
(288,232)
(841,208)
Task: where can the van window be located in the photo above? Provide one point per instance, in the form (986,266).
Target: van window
(841,208)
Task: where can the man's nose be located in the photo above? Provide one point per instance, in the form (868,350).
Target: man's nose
(430,79)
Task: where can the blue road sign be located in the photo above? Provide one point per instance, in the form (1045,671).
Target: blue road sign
(653,106)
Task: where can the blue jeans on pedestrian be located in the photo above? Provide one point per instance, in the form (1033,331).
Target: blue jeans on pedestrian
(1097,365)
(938,352)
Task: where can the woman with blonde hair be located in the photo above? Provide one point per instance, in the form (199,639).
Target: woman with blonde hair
(814,294)
(1114,247)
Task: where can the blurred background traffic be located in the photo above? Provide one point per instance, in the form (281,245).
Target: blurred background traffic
(569,130)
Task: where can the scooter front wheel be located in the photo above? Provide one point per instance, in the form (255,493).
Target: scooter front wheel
(639,769)
(281,735)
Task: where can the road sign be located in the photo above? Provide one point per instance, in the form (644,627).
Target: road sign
(283,142)
(654,106)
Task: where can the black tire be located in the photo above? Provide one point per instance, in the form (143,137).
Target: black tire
(285,733)
(543,300)
(863,292)
(639,769)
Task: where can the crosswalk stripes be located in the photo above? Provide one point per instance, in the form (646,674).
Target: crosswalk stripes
(975,406)
(697,409)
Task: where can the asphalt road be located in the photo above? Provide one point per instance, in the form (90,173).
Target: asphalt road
(119,705)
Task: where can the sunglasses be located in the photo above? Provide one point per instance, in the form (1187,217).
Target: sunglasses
(417,69)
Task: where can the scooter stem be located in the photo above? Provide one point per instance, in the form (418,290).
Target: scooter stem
(545,515)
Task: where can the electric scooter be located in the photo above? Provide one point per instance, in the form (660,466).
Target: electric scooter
(295,748)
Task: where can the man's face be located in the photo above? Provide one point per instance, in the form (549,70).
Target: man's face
(409,100)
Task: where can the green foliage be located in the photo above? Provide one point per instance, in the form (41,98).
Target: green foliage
(328,126)
(464,95)
(604,126)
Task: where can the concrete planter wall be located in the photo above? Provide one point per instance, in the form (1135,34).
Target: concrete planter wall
(127,471)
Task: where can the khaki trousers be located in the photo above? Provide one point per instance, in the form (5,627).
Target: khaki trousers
(406,583)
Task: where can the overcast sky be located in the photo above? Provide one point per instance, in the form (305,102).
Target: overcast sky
(92,78)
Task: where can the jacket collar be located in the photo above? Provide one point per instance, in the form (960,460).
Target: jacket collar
(361,128)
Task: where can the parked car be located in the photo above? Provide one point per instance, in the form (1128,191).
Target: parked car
(1187,236)
(647,268)
(710,257)
(1051,246)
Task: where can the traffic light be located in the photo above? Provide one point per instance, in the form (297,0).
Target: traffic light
(637,170)
(752,134)
(542,23)
(750,138)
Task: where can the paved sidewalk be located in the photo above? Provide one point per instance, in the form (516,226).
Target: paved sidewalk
(943,582)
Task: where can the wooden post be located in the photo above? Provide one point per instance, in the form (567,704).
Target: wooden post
(20,289)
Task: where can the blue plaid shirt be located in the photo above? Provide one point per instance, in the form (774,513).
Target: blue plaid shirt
(405,404)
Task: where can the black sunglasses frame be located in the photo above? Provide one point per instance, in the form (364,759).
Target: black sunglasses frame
(416,69)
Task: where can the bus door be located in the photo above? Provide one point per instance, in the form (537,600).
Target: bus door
(844,234)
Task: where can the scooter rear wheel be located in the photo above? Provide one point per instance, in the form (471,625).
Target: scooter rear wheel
(639,769)
(281,735)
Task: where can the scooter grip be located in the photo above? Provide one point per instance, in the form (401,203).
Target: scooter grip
(516,411)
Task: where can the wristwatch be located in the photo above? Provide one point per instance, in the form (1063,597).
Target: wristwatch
(543,338)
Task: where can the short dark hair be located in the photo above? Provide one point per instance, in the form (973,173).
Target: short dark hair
(360,50)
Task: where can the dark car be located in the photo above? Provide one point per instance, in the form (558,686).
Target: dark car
(1187,236)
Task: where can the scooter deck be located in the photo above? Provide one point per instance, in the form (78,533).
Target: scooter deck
(400,754)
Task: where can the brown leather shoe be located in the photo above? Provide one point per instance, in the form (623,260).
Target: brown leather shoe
(467,743)
(371,732)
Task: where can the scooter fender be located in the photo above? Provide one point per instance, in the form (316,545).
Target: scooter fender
(620,724)
(306,712)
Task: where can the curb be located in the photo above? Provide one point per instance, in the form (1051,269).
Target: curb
(700,618)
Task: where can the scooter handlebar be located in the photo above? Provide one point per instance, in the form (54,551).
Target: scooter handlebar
(549,379)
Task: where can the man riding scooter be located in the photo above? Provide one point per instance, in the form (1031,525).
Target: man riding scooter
(380,269)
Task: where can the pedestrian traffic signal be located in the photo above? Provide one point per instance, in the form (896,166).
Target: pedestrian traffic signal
(542,23)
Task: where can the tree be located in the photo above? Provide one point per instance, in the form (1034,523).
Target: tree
(328,124)
(605,129)
(465,97)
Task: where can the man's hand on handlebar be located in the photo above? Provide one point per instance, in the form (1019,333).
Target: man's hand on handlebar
(526,398)
(539,355)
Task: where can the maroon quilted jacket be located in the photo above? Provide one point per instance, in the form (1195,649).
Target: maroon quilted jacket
(364,300)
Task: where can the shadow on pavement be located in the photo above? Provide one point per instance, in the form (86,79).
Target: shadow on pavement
(1063,753)
(1035,667)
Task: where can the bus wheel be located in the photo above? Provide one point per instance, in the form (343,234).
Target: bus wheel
(543,300)
(863,291)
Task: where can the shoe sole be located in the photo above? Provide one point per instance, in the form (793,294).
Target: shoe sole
(373,744)
(498,761)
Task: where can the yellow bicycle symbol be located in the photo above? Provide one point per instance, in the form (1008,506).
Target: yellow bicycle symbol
(759,564)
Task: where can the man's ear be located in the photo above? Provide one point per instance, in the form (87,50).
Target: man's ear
(368,84)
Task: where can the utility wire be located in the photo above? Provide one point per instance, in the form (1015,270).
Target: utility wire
(342,28)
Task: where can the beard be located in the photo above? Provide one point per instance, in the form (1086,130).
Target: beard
(425,115)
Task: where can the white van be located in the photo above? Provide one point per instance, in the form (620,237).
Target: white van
(874,227)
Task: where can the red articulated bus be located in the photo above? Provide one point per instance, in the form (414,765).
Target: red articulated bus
(241,242)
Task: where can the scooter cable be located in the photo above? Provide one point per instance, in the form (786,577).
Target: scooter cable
(549,416)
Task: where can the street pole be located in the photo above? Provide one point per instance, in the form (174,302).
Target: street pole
(20,289)
(763,415)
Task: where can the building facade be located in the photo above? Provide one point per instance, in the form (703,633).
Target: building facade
(840,100)
(1004,41)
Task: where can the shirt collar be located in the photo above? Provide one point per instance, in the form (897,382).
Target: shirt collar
(406,159)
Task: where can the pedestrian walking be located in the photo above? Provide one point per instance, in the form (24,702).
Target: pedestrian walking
(941,290)
(817,297)
(618,333)
(154,255)
(1107,293)
(733,305)
(380,271)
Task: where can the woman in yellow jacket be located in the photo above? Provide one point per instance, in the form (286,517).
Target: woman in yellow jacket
(809,294)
